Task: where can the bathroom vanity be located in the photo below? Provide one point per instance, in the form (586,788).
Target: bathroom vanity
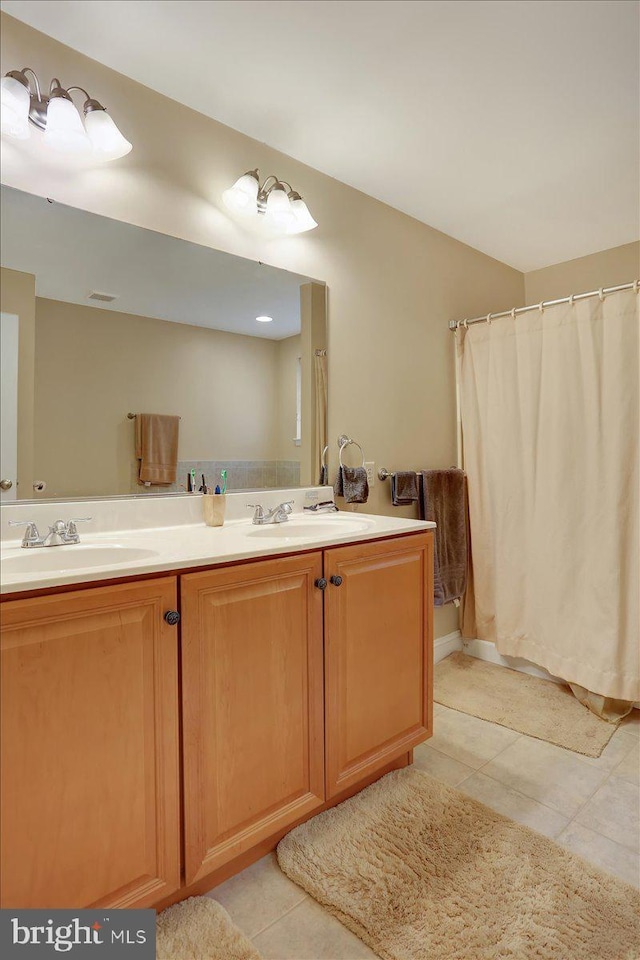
(146,756)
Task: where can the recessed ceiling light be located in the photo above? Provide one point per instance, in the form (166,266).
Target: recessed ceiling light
(264,319)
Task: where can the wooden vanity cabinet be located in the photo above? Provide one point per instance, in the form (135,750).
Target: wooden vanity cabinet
(302,678)
(90,782)
(378,654)
(252,705)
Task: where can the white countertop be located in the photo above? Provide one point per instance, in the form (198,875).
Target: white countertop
(130,553)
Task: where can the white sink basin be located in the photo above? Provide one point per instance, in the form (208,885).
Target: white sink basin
(72,557)
(316,528)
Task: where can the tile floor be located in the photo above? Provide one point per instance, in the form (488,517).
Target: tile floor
(590,806)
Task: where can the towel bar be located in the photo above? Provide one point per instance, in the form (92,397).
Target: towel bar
(384,474)
(132,416)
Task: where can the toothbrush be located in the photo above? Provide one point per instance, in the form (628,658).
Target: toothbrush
(223,477)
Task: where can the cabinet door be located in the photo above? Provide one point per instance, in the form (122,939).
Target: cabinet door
(90,802)
(378,655)
(252,705)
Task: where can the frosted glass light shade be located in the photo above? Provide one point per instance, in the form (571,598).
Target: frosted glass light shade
(14,109)
(64,130)
(302,219)
(106,140)
(278,214)
(242,197)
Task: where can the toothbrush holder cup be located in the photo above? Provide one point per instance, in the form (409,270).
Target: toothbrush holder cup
(213,508)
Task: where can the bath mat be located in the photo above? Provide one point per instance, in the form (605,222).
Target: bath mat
(539,708)
(419,871)
(200,929)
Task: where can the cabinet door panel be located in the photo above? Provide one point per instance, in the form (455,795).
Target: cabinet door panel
(252,705)
(378,655)
(90,783)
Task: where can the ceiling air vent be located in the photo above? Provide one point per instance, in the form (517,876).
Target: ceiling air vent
(102,297)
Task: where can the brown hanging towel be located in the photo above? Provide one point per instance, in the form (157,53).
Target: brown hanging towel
(443,499)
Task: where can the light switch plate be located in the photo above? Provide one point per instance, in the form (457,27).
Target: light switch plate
(370,467)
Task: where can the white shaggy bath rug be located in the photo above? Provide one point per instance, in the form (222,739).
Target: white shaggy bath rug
(200,929)
(420,871)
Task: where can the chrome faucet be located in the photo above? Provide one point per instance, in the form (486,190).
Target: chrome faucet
(279,514)
(62,532)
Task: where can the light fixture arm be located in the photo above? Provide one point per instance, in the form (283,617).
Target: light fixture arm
(267,189)
(26,70)
(81,89)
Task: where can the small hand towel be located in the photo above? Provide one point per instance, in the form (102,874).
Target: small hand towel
(352,484)
(404,488)
(157,448)
(443,499)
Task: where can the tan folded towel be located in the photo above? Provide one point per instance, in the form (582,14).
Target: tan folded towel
(443,498)
(157,447)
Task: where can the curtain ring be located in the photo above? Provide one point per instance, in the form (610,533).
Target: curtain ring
(571,299)
(601,293)
(489,319)
(465,324)
(513,313)
(636,286)
(541,307)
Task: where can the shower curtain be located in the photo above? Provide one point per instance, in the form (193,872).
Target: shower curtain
(320,369)
(549,407)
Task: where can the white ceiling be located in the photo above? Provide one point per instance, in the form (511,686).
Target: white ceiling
(510,124)
(73,253)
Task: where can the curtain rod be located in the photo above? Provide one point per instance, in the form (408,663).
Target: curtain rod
(454,324)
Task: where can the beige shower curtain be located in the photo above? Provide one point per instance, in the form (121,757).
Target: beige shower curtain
(549,406)
(320,369)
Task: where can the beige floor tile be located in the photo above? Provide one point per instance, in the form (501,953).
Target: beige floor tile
(615,751)
(629,766)
(469,739)
(631,723)
(614,811)
(555,777)
(308,932)
(601,851)
(514,805)
(439,765)
(258,896)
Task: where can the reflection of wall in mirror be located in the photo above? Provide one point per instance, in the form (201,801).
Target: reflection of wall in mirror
(93,365)
(18,291)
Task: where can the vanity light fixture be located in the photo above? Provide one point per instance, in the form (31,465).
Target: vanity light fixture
(23,102)
(264,319)
(275,202)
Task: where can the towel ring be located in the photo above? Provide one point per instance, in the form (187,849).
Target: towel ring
(346,442)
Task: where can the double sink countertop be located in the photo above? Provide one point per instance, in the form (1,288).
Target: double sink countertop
(185,544)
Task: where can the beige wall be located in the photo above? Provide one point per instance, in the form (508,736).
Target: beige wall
(18,295)
(393,283)
(605,269)
(93,366)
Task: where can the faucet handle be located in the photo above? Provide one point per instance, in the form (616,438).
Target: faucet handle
(287,506)
(31,534)
(259,511)
(71,530)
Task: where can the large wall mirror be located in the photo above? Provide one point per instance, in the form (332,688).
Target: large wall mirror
(102,321)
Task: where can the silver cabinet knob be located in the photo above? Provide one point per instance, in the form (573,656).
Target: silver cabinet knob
(6,484)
